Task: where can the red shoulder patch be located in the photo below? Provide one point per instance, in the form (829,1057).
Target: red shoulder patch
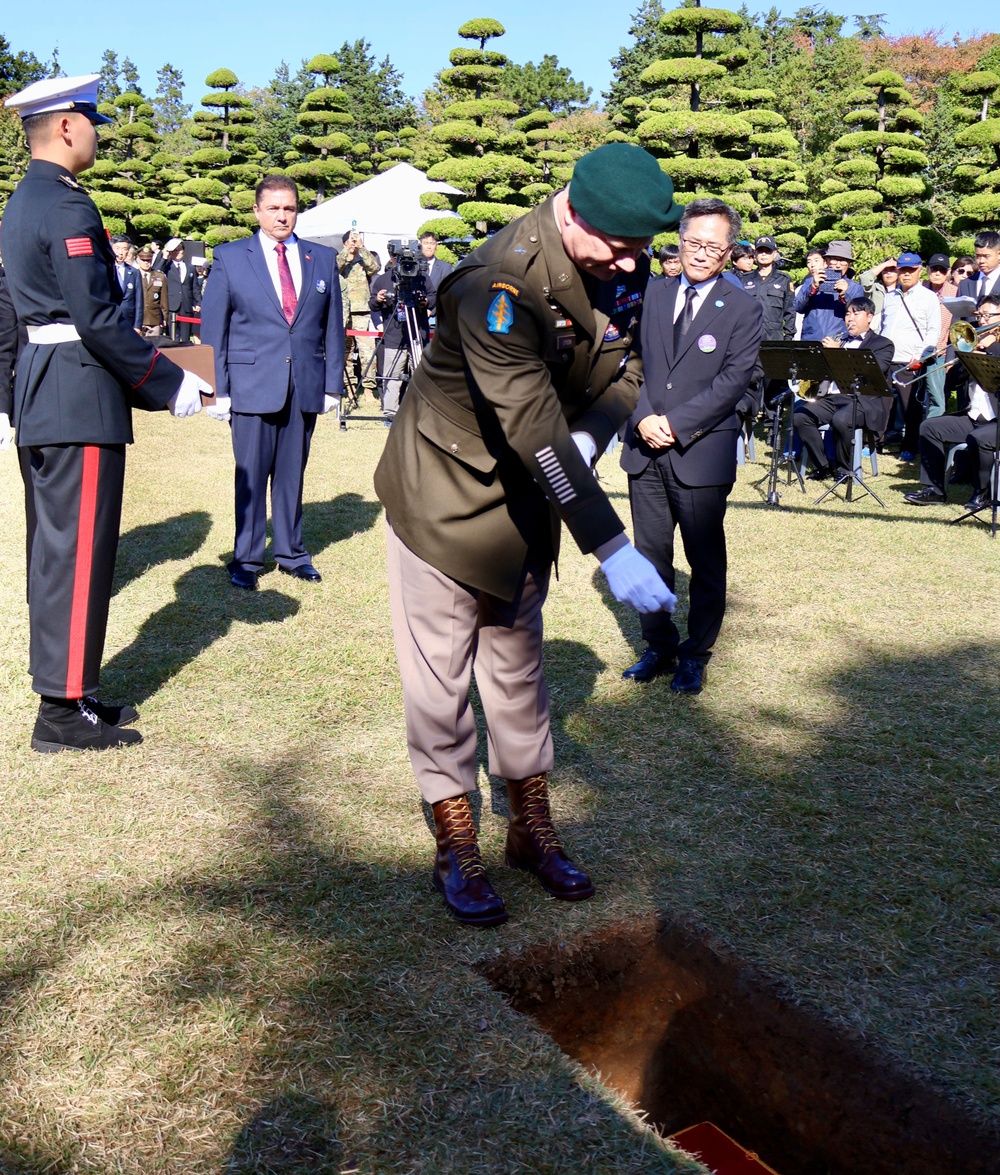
(79,247)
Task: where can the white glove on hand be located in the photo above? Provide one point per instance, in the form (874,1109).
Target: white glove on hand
(220,409)
(186,401)
(635,581)
(587,446)
(5,433)
(329,403)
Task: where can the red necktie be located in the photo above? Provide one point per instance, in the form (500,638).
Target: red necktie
(288,298)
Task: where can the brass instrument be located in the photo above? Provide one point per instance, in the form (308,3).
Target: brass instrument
(809,388)
(963,336)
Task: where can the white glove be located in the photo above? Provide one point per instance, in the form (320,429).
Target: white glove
(329,403)
(634,580)
(186,401)
(220,409)
(587,446)
(5,433)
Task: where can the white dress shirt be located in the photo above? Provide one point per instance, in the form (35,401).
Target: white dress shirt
(700,294)
(268,244)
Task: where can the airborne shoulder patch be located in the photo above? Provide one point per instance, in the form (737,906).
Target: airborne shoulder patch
(500,316)
(511,289)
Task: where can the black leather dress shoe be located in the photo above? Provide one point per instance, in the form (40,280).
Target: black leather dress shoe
(244,579)
(928,496)
(690,677)
(303,571)
(651,664)
(824,473)
(979,501)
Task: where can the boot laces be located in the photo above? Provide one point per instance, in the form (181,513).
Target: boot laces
(462,837)
(537,817)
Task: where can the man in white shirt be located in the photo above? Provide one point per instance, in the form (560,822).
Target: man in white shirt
(272,312)
(976,427)
(911,317)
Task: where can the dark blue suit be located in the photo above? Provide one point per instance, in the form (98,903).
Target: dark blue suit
(687,484)
(276,376)
(132,300)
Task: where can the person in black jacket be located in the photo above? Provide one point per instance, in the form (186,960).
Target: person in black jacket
(396,357)
(82,371)
(840,410)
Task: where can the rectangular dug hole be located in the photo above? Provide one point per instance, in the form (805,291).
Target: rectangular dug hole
(687,1033)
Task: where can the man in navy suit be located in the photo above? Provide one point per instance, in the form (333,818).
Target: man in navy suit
(129,281)
(987,280)
(699,337)
(272,313)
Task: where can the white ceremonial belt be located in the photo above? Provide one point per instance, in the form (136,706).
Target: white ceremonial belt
(53,332)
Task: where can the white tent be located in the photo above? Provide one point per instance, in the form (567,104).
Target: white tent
(382,208)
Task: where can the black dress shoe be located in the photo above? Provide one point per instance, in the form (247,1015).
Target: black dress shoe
(928,496)
(71,725)
(824,473)
(651,664)
(244,579)
(690,676)
(979,501)
(303,571)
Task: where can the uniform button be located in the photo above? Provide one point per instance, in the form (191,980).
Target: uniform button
(454,448)
(288,358)
(533,240)
(669,387)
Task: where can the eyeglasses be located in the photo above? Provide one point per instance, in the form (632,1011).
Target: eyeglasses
(986,315)
(713,251)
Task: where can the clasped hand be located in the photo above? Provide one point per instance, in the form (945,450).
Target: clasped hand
(656,432)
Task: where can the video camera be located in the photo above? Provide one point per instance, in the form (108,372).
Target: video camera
(408,274)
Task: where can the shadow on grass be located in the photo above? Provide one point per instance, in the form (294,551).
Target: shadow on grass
(334,521)
(147,546)
(292,1133)
(204,610)
(627,618)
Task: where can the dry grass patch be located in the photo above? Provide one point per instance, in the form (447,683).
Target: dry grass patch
(219,952)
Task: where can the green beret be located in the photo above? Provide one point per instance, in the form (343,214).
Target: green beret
(620,190)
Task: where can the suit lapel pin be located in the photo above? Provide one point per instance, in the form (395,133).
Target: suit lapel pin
(707,343)
(719,302)
(321,286)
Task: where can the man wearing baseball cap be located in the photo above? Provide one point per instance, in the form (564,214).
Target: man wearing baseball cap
(532,371)
(911,318)
(941,286)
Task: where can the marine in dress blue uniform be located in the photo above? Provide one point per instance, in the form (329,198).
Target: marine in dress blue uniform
(83,370)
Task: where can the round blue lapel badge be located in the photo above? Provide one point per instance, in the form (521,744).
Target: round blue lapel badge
(719,302)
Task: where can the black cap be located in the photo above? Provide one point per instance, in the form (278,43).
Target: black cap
(939,261)
(766,243)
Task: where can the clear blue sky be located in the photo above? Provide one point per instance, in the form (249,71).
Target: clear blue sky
(252,37)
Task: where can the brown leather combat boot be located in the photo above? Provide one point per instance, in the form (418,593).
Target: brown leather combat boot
(534,845)
(459,872)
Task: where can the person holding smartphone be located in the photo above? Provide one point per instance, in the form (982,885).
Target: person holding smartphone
(823,296)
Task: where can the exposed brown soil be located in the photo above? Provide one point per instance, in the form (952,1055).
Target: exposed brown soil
(688,1033)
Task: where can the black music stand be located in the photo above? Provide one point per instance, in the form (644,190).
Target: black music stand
(985,370)
(787,361)
(858,372)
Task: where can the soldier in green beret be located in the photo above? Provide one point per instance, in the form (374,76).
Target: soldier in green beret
(533,369)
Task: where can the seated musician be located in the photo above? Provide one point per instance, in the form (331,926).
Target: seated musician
(976,426)
(845,412)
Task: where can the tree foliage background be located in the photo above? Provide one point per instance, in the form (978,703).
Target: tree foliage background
(798,82)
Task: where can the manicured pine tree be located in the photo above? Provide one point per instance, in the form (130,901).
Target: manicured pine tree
(877,195)
(324,149)
(485,156)
(980,172)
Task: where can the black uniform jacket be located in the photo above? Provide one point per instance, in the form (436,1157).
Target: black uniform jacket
(776,298)
(480,465)
(61,269)
(697,389)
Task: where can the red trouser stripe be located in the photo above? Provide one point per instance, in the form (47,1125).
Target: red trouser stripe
(81,576)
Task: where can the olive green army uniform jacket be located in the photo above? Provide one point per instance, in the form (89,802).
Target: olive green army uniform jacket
(480,466)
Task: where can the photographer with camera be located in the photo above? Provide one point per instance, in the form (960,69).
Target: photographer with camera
(824,295)
(357,266)
(404,300)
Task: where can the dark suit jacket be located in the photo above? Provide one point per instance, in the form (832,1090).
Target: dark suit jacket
(258,356)
(180,292)
(969,287)
(132,299)
(698,389)
(438,273)
(12,340)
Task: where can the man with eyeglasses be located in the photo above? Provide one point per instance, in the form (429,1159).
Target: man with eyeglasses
(700,337)
(843,412)
(987,252)
(976,427)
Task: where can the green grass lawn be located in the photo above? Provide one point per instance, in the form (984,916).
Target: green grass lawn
(220,952)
